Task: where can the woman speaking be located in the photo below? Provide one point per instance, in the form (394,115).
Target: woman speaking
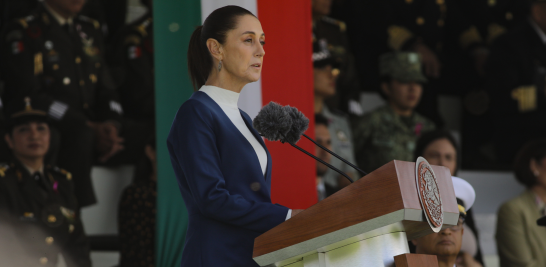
(221,163)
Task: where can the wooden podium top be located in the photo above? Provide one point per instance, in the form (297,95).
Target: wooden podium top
(385,197)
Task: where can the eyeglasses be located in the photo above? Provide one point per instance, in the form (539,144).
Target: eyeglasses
(459,225)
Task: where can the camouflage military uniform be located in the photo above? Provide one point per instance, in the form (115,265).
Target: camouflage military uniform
(382,136)
(342,144)
(38,219)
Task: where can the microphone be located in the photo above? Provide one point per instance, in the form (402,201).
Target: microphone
(287,124)
(298,119)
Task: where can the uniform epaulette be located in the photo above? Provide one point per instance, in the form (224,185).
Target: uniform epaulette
(342,26)
(63,172)
(95,23)
(3,168)
(24,21)
(142,27)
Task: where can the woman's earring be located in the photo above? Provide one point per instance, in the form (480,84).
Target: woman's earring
(220,66)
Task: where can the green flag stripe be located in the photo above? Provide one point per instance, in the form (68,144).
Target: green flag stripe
(174,21)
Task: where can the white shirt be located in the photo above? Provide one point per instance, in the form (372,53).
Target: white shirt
(227,100)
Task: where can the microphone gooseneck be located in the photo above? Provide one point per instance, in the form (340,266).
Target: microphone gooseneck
(335,155)
(322,161)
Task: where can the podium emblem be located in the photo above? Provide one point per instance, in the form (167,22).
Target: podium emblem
(429,194)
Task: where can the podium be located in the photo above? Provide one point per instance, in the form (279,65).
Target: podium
(365,224)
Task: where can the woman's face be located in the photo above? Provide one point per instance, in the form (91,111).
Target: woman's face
(324,81)
(243,50)
(442,153)
(538,168)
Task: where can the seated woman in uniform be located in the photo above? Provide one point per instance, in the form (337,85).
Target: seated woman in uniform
(38,219)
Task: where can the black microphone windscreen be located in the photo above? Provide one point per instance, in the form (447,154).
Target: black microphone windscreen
(273,122)
(300,123)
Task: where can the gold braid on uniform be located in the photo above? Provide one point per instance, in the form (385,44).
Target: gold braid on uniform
(494,30)
(470,36)
(462,210)
(398,36)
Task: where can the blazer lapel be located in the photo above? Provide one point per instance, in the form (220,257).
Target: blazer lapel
(248,123)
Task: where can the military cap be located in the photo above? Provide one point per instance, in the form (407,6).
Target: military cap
(321,55)
(402,66)
(465,194)
(27,109)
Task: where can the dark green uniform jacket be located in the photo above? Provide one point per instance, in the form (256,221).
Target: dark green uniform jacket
(38,220)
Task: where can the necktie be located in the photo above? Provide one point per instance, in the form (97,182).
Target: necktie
(41,180)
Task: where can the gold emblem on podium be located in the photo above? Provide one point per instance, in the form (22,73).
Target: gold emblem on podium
(429,194)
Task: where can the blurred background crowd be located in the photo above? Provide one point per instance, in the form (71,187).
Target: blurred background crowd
(461,83)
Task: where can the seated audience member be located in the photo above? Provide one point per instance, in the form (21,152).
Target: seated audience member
(334,32)
(137,212)
(520,241)
(439,147)
(514,80)
(132,65)
(390,131)
(37,201)
(446,244)
(56,52)
(322,136)
(338,123)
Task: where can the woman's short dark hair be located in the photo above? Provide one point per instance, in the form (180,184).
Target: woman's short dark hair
(536,150)
(429,137)
(216,26)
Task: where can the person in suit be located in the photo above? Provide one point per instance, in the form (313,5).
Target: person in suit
(514,82)
(221,163)
(520,241)
(38,218)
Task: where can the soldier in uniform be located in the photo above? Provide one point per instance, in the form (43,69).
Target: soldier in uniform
(515,84)
(133,68)
(441,35)
(55,52)
(334,32)
(390,132)
(338,123)
(38,218)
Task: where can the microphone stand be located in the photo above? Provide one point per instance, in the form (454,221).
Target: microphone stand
(335,155)
(319,160)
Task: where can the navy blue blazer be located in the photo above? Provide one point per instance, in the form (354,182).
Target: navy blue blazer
(222,184)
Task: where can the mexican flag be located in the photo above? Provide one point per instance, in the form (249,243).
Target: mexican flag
(287,78)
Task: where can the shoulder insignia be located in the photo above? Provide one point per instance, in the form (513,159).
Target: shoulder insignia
(63,172)
(142,30)
(470,36)
(95,23)
(132,39)
(24,21)
(3,169)
(398,36)
(45,18)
